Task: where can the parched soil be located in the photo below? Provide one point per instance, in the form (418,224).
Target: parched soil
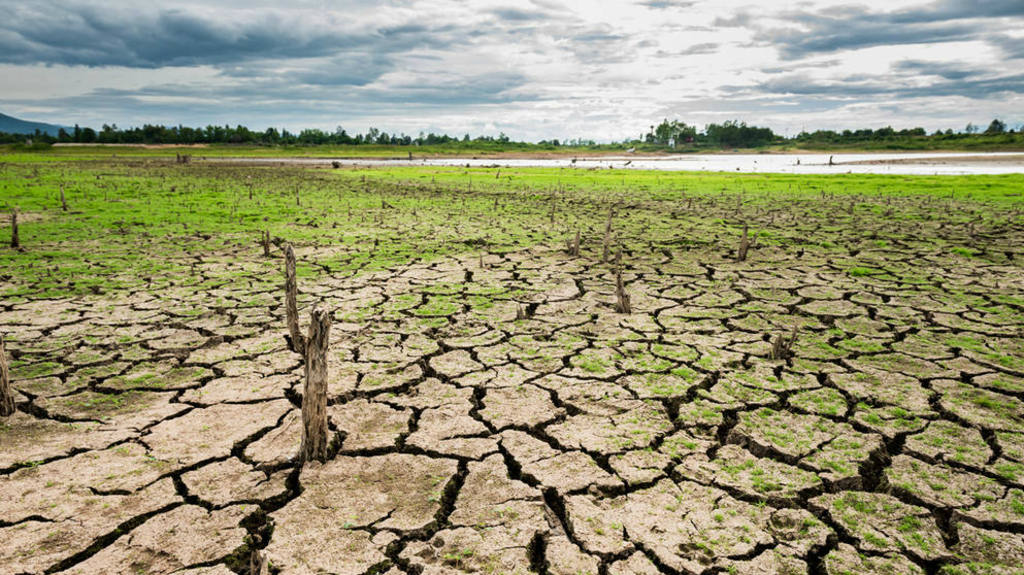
(492,412)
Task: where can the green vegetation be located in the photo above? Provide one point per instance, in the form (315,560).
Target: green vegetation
(122,211)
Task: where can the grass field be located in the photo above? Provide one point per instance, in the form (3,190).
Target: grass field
(493,407)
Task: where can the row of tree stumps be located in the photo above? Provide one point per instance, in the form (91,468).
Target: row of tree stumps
(782,347)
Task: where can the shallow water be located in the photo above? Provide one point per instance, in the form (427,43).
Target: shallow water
(950,163)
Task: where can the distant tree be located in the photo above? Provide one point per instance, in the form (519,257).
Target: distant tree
(675,130)
(996,127)
(971,128)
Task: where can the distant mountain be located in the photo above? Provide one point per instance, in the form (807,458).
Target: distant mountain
(15,126)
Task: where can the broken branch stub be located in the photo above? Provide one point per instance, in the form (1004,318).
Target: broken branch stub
(6,395)
(314,396)
(291,306)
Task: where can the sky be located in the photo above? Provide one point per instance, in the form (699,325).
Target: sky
(534,69)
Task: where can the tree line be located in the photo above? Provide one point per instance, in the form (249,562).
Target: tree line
(671,134)
(734,134)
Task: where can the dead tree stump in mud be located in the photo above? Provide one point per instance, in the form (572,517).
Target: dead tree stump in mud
(6,395)
(573,246)
(621,297)
(291,306)
(607,236)
(15,241)
(783,348)
(258,564)
(265,242)
(741,253)
(314,396)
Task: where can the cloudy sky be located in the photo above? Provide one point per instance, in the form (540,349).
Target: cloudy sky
(601,69)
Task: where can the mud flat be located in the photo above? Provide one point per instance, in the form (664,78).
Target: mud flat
(491,408)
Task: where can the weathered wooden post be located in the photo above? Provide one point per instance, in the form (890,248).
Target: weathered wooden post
(291,306)
(63,201)
(314,396)
(6,395)
(15,241)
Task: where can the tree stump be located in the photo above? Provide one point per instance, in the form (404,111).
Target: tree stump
(291,306)
(258,564)
(15,241)
(314,396)
(607,236)
(6,395)
(265,242)
(783,348)
(741,253)
(621,297)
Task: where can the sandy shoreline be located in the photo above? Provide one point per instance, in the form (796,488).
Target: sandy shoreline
(995,160)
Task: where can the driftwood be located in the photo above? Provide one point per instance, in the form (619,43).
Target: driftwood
(314,396)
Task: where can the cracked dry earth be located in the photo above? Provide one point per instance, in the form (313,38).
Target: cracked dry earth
(156,431)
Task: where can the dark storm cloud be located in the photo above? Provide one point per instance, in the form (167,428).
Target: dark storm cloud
(947,70)
(865,87)
(1010,46)
(267,94)
(855,27)
(667,4)
(87,35)
(519,15)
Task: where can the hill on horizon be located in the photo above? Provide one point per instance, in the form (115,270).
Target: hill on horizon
(13,125)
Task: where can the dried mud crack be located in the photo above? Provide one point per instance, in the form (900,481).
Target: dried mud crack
(491,411)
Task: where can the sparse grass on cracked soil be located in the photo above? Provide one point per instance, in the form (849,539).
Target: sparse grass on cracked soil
(491,411)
